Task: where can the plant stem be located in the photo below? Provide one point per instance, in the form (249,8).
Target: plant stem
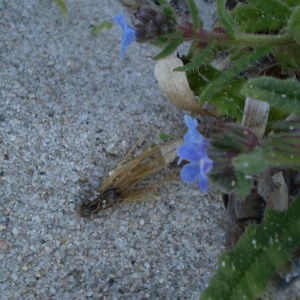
(242,39)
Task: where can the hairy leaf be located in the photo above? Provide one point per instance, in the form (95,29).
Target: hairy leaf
(284,145)
(249,19)
(243,184)
(229,101)
(225,18)
(294,24)
(171,46)
(244,272)
(291,3)
(288,56)
(224,80)
(251,163)
(223,150)
(199,78)
(197,22)
(200,58)
(275,8)
(283,94)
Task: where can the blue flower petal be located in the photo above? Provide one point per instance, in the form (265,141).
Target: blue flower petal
(194,151)
(193,133)
(190,172)
(206,165)
(191,151)
(203,184)
(129,34)
(190,122)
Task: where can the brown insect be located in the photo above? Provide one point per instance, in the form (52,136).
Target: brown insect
(129,180)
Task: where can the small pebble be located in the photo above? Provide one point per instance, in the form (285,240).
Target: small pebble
(2,227)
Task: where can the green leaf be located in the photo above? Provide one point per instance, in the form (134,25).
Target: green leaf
(226,19)
(288,56)
(291,3)
(197,22)
(294,24)
(199,78)
(244,272)
(245,166)
(164,136)
(200,58)
(96,29)
(225,79)
(284,145)
(275,115)
(275,8)
(62,6)
(160,41)
(283,94)
(251,163)
(223,149)
(167,9)
(243,184)
(251,20)
(171,47)
(229,101)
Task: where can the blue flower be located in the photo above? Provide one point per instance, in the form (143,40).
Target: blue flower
(129,34)
(194,151)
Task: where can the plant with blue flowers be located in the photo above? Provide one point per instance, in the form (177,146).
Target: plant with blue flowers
(252,156)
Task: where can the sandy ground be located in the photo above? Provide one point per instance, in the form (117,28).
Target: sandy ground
(70,109)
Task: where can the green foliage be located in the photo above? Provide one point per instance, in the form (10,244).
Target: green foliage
(275,8)
(244,272)
(200,77)
(96,29)
(62,6)
(197,22)
(239,156)
(251,163)
(229,101)
(167,9)
(226,78)
(172,45)
(250,19)
(200,57)
(229,151)
(288,57)
(291,3)
(284,145)
(283,94)
(246,165)
(164,136)
(294,24)
(226,19)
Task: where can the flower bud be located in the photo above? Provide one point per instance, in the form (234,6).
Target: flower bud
(154,23)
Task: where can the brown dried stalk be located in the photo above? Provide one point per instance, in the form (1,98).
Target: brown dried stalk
(126,182)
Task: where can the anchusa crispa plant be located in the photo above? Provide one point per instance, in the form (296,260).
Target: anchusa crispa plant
(246,68)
